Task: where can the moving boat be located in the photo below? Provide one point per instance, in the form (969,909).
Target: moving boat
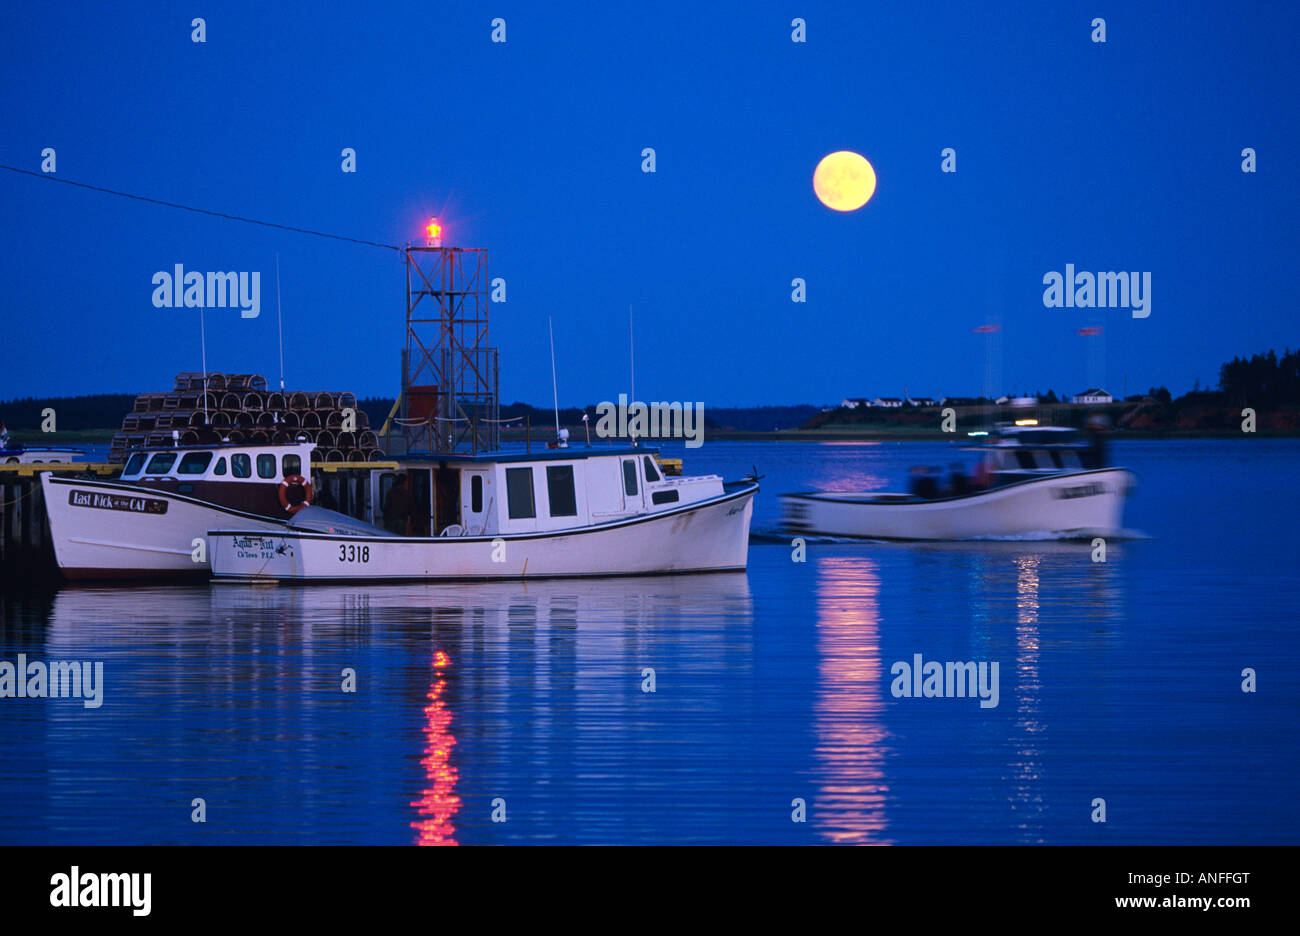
(150,521)
(1033,481)
(563,512)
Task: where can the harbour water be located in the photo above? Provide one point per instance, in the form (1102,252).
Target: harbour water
(526,701)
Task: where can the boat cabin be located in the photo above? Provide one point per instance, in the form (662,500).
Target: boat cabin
(1014,454)
(504,493)
(1019,453)
(242,477)
(431,495)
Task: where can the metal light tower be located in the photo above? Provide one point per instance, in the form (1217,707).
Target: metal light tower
(449,374)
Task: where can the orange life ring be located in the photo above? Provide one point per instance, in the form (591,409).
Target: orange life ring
(300,481)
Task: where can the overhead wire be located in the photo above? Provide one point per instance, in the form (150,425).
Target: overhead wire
(206,211)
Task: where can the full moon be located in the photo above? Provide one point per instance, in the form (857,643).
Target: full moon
(844,181)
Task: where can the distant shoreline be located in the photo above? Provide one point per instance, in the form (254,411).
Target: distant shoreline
(1195,415)
(903,434)
(896,434)
(912,435)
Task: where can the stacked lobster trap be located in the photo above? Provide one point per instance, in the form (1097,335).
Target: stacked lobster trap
(210,409)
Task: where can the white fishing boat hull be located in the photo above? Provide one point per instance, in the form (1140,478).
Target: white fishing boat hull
(41,456)
(1079,504)
(710,535)
(107,530)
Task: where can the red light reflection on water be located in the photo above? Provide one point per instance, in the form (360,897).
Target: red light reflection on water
(439,803)
(849,467)
(851,749)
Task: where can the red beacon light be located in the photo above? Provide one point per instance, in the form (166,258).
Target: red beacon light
(434,230)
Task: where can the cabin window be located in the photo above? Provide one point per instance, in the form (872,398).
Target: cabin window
(266,466)
(194,463)
(476,493)
(1025,460)
(134,465)
(386,482)
(161,463)
(241,465)
(519,493)
(291,464)
(629,477)
(665,497)
(221,466)
(651,473)
(559,485)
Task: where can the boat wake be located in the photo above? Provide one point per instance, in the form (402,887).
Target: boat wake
(776,536)
(1063,536)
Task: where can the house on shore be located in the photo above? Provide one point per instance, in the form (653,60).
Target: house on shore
(1093,396)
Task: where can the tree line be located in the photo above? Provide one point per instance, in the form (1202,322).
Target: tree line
(1262,380)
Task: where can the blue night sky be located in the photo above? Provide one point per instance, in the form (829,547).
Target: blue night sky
(1117,156)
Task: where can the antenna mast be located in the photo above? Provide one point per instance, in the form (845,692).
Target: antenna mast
(631,351)
(203,349)
(554,387)
(279,319)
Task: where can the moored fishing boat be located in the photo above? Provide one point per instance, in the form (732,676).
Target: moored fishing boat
(509,515)
(17,453)
(1031,482)
(453,505)
(150,521)
(42,455)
